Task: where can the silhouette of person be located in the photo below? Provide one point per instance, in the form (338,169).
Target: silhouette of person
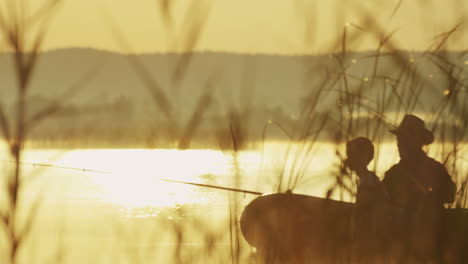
(371,201)
(360,152)
(417,180)
(419,186)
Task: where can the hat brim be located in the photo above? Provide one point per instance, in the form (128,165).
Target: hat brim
(427,137)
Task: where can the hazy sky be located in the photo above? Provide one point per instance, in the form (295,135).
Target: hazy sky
(267,26)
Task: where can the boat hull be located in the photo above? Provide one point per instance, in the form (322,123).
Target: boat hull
(295,228)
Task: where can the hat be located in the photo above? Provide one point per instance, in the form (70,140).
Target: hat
(414,127)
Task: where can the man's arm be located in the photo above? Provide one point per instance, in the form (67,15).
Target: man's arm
(447,186)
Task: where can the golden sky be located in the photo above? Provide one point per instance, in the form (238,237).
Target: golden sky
(265,26)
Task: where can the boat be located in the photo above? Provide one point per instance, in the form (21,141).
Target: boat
(294,228)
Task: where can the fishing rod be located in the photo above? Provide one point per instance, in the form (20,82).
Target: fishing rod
(56,166)
(166,180)
(214,187)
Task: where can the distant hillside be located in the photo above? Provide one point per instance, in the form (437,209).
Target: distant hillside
(275,86)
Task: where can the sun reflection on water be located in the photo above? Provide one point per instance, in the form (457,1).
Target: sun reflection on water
(135,188)
(135,181)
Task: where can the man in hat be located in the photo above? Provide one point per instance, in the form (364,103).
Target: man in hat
(420,186)
(417,180)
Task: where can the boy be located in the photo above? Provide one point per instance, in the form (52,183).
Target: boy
(360,153)
(370,202)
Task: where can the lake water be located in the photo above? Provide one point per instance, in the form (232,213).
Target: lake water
(117,207)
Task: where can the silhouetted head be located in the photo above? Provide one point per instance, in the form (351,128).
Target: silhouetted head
(360,152)
(412,135)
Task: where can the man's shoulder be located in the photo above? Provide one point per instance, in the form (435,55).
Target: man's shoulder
(395,175)
(429,161)
(394,169)
(433,166)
